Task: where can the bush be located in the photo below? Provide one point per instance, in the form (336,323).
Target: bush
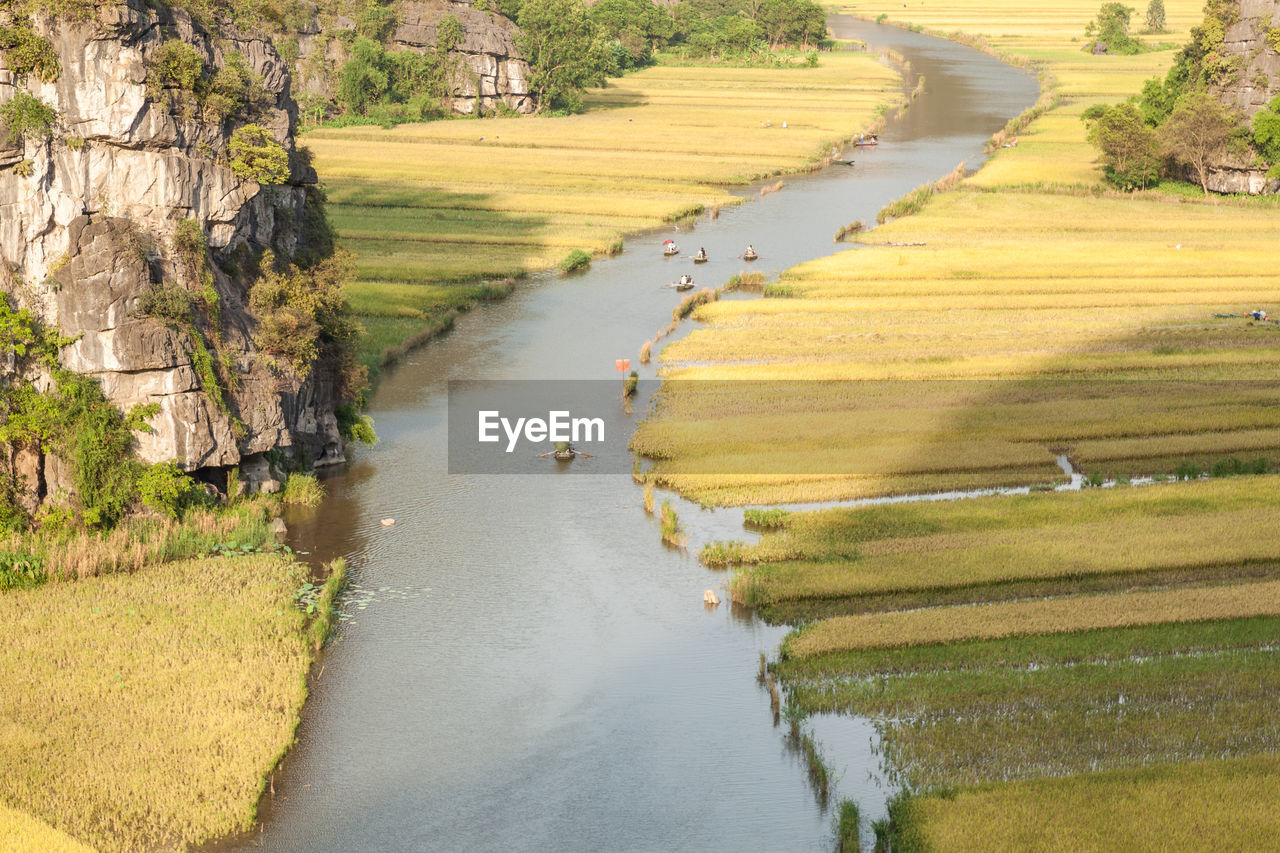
(28,52)
(167,303)
(302,490)
(256,156)
(20,570)
(164,488)
(27,117)
(301,312)
(575,260)
(354,426)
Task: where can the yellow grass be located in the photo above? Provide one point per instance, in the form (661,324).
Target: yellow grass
(143,711)
(1047,616)
(1227,805)
(456,201)
(1018,279)
(21,833)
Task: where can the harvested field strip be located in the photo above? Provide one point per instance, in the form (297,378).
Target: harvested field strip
(1152,808)
(1024,652)
(804,610)
(1006,619)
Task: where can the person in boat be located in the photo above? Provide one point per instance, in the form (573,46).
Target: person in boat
(686,279)
(751,250)
(702,253)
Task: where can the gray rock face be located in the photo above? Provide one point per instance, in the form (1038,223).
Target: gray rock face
(91,229)
(1259,78)
(493,68)
(1252,89)
(491,71)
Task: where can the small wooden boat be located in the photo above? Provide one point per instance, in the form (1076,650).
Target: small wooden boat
(867,143)
(749,256)
(670,248)
(842,162)
(700,259)
(564,451)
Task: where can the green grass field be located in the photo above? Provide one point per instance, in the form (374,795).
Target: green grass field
(430,210)
(143,711)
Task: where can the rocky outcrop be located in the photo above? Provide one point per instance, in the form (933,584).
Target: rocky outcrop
(1252,42)
(490,69)
(88,224)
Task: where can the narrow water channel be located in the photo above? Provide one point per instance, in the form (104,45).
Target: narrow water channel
(525,665)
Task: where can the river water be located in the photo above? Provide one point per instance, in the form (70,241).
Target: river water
(524,665)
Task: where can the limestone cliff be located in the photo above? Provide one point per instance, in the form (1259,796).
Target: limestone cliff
(1250,41)
(89,218)
(490,69)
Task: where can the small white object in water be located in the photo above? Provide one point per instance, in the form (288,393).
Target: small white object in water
(710,597)
(387,522)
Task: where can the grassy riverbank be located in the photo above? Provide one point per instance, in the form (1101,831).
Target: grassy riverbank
(434,210)
(144,710)
(1042,668)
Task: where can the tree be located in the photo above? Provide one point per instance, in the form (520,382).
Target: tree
(795,22)
(1112,28)
(1266,135)
(565,50)
(1128,145)
(1196,134)
(1155,16)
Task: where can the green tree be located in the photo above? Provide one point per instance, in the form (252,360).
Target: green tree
(1266,135)
(801,23)
(1196,134)
(1111,27)
(1130,153)
(565,49)
(636,27)
(1155,16)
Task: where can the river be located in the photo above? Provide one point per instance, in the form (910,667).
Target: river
(524,665)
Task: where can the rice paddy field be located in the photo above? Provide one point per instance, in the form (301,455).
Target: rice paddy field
(432,210)
(1088,669)
(143,711)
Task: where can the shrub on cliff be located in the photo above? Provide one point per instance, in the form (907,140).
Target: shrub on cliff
(302,314)
(26,117)
(256,156)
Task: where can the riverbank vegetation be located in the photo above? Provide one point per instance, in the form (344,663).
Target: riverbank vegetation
(1043,667)
(434,211)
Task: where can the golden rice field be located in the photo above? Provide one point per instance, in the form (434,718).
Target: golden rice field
(431,209)
(143,711)
(21,833)
(1175,807)
(1086,670)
